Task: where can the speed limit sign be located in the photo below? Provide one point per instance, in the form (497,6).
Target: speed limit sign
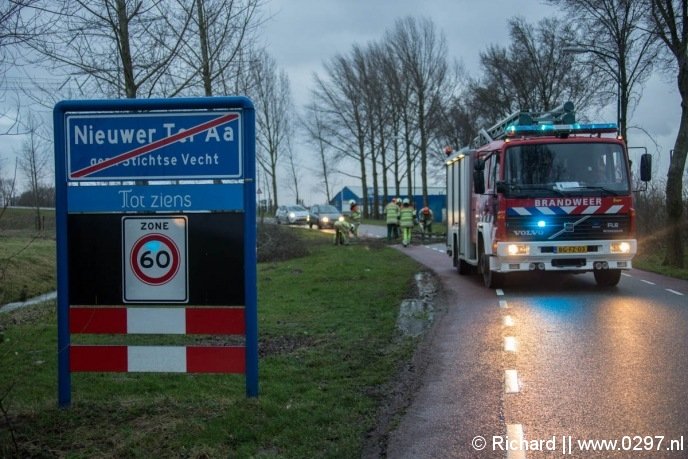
(154,259)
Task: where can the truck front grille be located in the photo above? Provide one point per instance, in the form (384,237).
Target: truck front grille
(567,227)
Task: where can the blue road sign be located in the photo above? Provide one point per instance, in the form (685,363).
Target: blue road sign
(208,143)
(171,145)
(159,198)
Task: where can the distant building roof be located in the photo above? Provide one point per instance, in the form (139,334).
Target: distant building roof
(417,191)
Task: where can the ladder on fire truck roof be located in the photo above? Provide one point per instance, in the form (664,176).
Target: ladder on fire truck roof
(563,114)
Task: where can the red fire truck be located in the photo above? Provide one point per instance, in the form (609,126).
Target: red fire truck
(541,192)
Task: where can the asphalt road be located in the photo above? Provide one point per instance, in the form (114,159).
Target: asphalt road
(547,364)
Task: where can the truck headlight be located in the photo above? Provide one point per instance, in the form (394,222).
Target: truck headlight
(620,247)
(518,249)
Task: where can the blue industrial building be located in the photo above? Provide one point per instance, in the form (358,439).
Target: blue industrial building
(437,199)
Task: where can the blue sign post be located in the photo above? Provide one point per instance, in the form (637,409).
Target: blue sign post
(189,159)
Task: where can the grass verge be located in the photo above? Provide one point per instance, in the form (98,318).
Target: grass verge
(27,266)
(328,346)
(653,262)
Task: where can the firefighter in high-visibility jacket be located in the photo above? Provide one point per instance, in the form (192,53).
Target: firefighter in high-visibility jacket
(407,218)
(354,218)
(425,219)
(392,218)
(341,232)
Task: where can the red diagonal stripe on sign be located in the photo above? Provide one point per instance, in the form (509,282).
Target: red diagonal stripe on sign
(140,151)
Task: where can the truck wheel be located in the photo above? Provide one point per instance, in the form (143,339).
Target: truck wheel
(491,279)
(607,277)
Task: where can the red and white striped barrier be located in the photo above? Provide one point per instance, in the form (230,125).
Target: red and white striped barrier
(165,359)
(160,320)
(133,320)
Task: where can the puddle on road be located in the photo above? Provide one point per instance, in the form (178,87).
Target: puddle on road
(416,314)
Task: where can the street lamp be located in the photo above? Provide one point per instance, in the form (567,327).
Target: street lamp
(607,54)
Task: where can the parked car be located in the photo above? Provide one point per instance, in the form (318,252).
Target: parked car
(323,216)
(292,215)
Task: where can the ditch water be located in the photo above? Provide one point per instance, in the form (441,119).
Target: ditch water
(416,314)
(20,304)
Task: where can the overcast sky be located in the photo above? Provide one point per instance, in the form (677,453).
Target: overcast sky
(302,34)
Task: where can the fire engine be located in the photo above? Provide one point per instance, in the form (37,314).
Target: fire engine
(541,192)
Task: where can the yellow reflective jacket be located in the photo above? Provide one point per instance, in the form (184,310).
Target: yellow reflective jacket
(392,212)
(406,217)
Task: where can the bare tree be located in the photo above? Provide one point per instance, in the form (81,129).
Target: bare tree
(340,102)
(34,160)
(117,48)
(271,94)
(217,45)
(8,189)
(669,20)
(17,25)
(294,171)
(613,36)
(315,135)
(422,52)
(400,120)
(534,73)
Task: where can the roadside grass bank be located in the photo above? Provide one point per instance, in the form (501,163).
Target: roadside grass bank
(27,257)
(328,346)
(27,266)
(653,262)
(24,219)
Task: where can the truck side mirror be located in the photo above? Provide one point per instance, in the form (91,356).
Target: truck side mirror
(646,167)
(479,177)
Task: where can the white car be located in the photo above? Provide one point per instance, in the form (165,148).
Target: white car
(292,215)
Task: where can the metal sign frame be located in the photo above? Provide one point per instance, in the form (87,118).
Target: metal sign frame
(237,194)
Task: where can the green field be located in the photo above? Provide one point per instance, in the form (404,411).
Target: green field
(329,348)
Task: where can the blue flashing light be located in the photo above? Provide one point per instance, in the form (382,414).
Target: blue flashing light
(541,224)
(576,128)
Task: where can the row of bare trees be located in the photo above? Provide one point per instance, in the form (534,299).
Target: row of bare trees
(391,106)
(145,48)
(387,108)
(374,107)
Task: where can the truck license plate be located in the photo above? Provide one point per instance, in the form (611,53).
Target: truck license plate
(572,249)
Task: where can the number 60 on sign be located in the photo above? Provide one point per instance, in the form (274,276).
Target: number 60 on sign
(154,259)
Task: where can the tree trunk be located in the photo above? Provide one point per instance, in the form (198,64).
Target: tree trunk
(125,51)
(674,189)
(205,53)
(423,146)
(364,178)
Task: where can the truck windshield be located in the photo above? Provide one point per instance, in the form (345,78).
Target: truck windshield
(566,168)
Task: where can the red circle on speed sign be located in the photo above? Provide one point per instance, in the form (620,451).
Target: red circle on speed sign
(154,259)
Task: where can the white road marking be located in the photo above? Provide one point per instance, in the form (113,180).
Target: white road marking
(503,304)
(510,344)
(647,282)
(625,274)
(508,321)
(515,434)
(499,292)
(674,292)
(511,382)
